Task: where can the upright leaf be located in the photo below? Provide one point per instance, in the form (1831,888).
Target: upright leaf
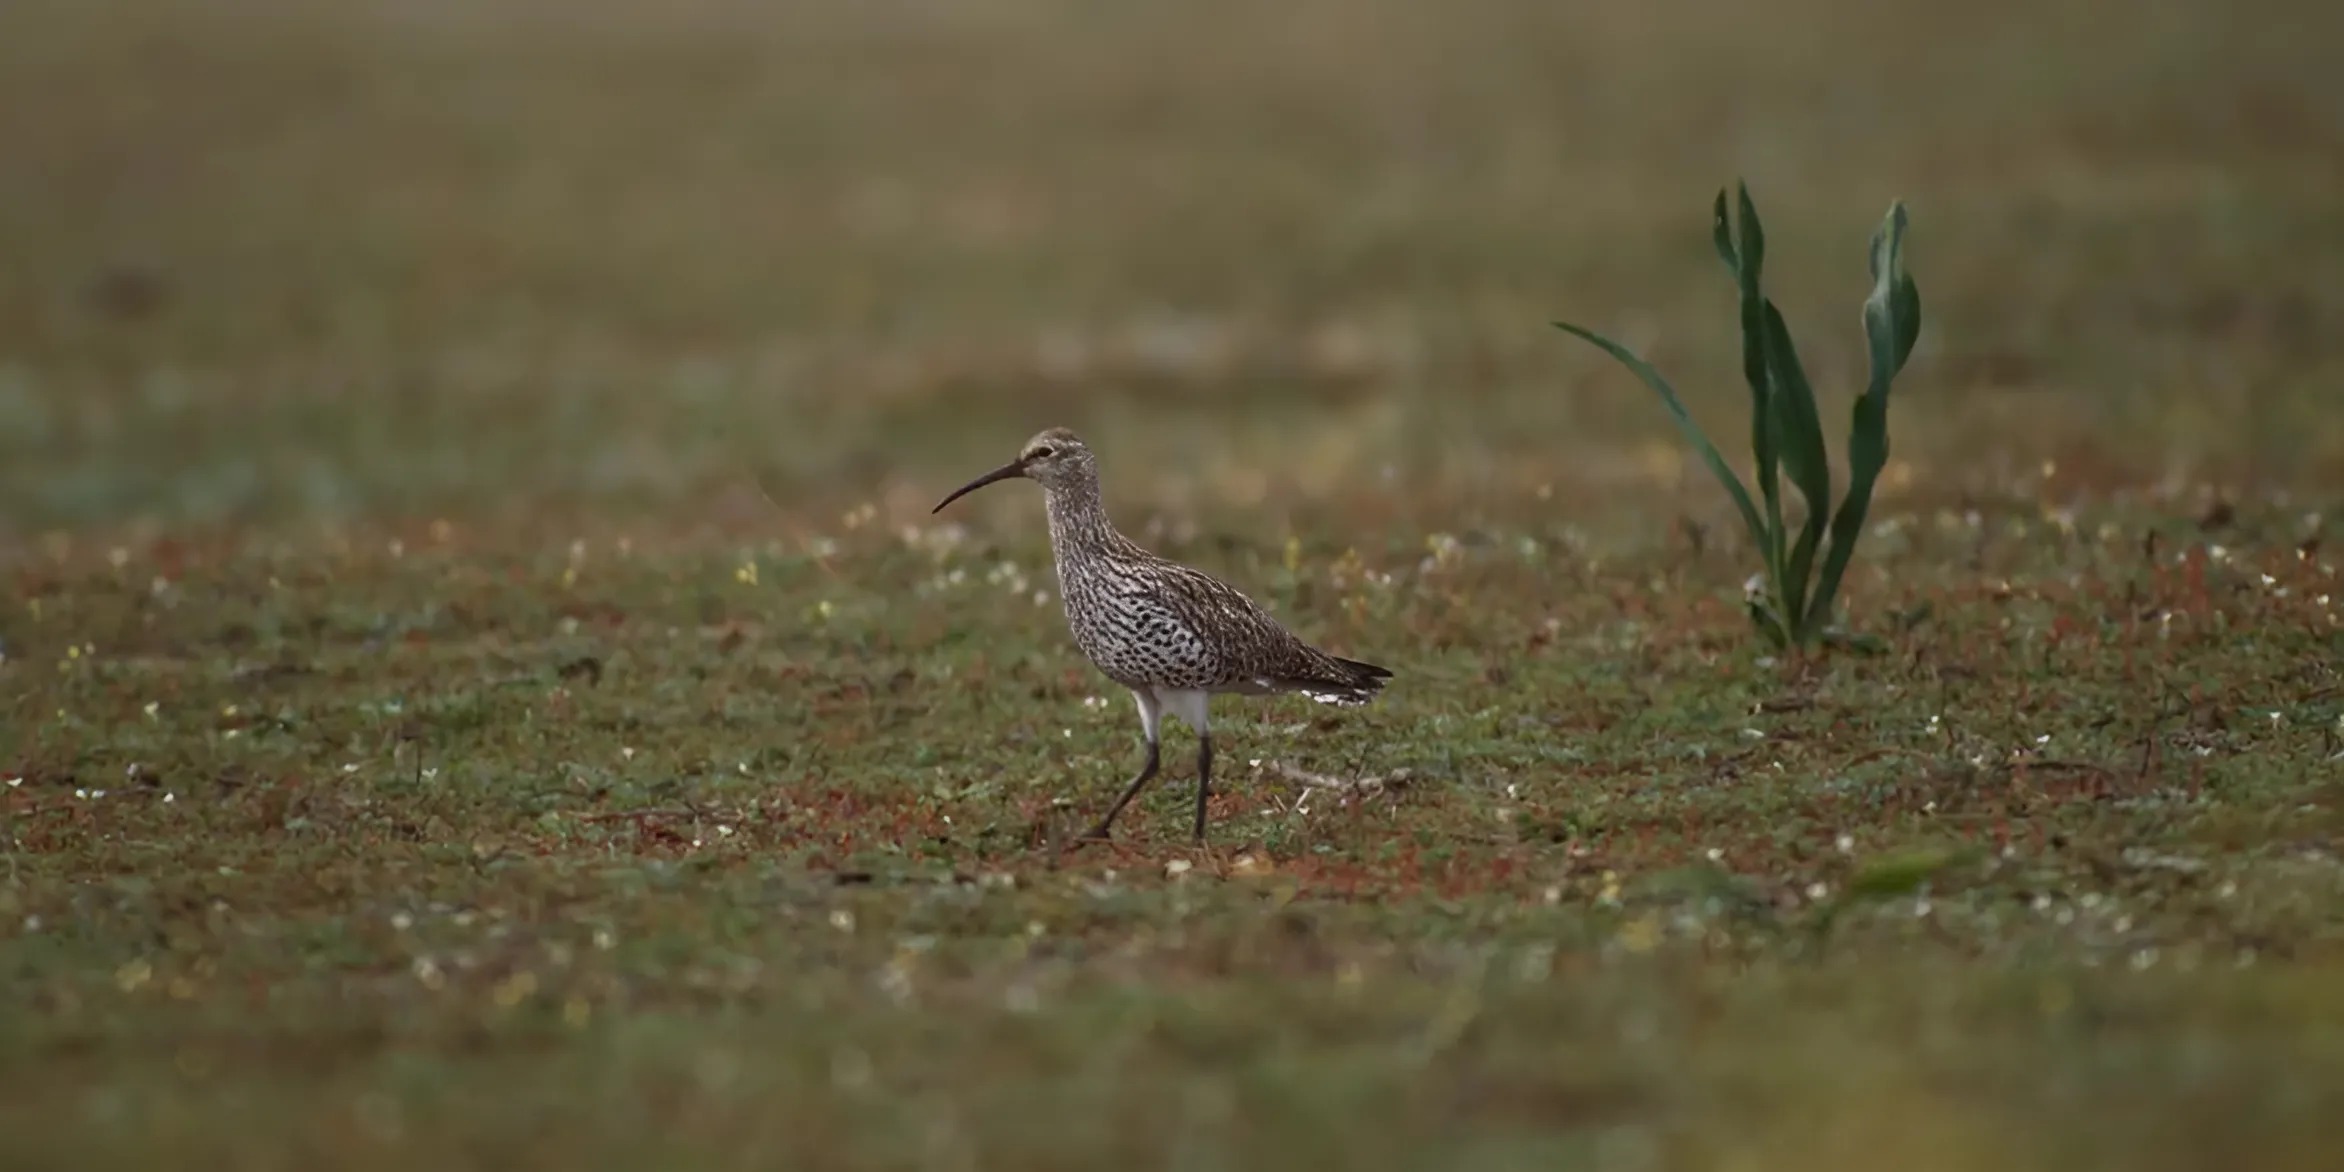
(1888,335)
(1907,303)
(1747,279)
(1721,235)
(1904,297)
(1800,429)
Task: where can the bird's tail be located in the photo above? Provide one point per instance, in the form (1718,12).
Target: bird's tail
(1345,682)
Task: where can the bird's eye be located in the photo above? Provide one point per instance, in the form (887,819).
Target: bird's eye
(1041,453)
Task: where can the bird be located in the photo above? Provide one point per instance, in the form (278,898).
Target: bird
(1172,634)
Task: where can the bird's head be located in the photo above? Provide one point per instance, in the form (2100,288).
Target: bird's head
(1055,458)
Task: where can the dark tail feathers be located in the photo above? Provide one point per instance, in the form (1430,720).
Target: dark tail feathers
(1352,682)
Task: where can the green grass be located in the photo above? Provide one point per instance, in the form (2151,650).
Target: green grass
(426,743)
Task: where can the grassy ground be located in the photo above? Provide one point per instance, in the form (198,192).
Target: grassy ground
(425,740)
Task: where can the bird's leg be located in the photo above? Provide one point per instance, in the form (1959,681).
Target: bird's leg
(1147,772)
(1151,714)
(1204,780)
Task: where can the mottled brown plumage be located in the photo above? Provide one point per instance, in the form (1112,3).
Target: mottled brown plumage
(1172,634)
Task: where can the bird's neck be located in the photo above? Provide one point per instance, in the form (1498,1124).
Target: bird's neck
(1079,525)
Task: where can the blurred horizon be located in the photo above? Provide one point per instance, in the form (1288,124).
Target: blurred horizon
(272,261)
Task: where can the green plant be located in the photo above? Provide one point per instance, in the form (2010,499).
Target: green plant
(1793,608)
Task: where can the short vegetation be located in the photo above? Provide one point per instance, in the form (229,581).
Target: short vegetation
(1791,601)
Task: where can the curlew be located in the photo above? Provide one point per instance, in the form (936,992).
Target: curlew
(1172,634)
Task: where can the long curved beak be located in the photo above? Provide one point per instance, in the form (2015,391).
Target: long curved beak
(1007,471)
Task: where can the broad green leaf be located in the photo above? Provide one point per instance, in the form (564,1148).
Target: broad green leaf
(1706,881)
(1888,876)
(1893,292)
(1902,872)
(1692,431)
(1800,430)
(1904,297)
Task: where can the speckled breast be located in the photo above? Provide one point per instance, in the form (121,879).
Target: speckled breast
(1132,636)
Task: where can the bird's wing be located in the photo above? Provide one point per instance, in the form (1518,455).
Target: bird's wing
(1252,644)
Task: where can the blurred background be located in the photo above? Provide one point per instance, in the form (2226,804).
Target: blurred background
(276,260)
